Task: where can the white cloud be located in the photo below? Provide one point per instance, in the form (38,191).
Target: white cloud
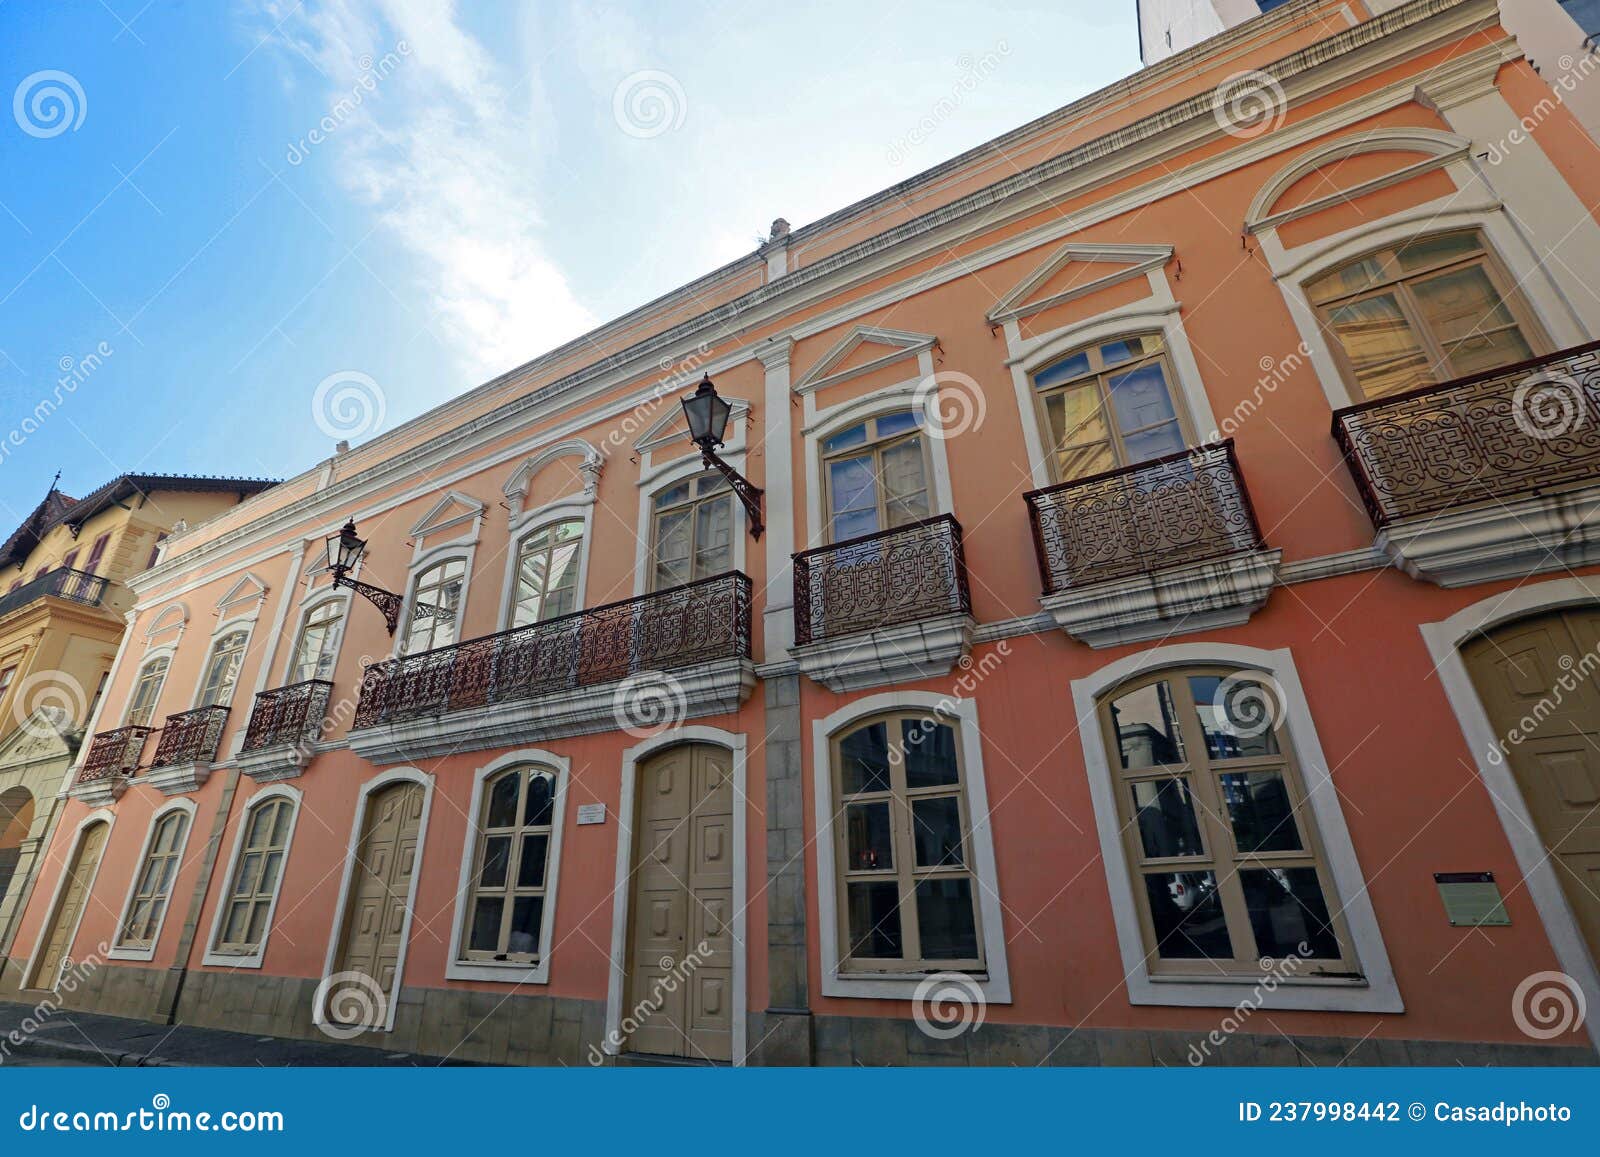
(447,159)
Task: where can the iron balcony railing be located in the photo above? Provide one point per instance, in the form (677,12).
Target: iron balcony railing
(698,623)
(288,715)
(1526,429)
(62,583)
(190,736)
(113,753)
(904,575)
(1184,508)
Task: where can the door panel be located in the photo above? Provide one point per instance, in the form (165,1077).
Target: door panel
(380,886)
(682,897)
(57,939)
(1537,680)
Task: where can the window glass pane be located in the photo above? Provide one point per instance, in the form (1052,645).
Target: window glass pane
(874,919)
(269,873)
(904,483)
(233,932)
(869,842)
(485,934)
(673,495)
(1157,442)
(864,759)
(898,423)
(1114,353)
(1147,727)
(1488,351)
(853,492)
(854,436)
(281,814)
(1353,278)
(1258,805)
(503,802)
(936,832)
(249,868)
(1063,371)
(1075,416)
(1426,252)
(1288,913)
(530,872)
(541,801)
(1386,355)
(526,914)
(945,920)
(496,858)
(258,924)
(1164,811)
(714,537)
(672,548)
(1186,910)
(1238,716)
(930,750)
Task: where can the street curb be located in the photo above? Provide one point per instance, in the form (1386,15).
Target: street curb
(68,1051)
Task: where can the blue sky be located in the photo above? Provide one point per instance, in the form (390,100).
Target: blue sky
(494,178)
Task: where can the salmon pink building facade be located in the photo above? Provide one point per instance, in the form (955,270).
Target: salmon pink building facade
(1171,636)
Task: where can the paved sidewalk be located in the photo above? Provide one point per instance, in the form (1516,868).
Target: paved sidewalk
(87,1037)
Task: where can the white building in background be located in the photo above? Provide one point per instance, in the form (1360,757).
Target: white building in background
(1559,36)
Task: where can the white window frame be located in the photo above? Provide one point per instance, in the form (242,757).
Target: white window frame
(310,604)
(664,479)
(426,561)
(524,526)
(511,972)
(150,656)
(995,982)
(254,959)
(1377,990)
(116,951)
(319,1010)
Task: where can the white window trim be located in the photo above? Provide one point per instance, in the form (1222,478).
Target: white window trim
(102,815)
(1160,312)
(1444,641)
(575,508)
(896,399)
(315,600)
(590,467)
(164,622)
(116,951)
(510,972)
(467,552)
(995,982)
(253,959)
(319,1010)
(245,623)
(167,652)
(622,893)
(1378,991)
(687,467)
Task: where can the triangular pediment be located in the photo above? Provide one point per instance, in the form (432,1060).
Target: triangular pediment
(248,589)
(41,737)
(670,427)
(864,350)
(1077,270)
(453,509)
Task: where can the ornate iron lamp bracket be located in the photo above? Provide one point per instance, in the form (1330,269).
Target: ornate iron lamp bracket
(749,496)
(386,601)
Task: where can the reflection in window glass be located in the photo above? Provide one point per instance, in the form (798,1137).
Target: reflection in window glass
(1237,716)
(1165,812)
(1147,727)
(1288,913)
(1258,807)
(1186,909)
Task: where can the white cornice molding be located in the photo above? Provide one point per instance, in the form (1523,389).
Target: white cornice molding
(1316,70)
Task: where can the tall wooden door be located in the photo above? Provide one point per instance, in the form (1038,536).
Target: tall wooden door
(680,976)
(56,942)
(380,887)
(1539,679)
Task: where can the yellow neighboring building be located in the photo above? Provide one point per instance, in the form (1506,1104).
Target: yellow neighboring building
(62,608)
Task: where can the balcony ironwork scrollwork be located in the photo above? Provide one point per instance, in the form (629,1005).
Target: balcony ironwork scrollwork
(288,715)
(190,737)
(113,753)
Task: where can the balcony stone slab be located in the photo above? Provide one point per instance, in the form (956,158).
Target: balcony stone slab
(178,778)
(897,654)
(1510,539)
(102,792)
(646,701)
(275,764)
(1179,600)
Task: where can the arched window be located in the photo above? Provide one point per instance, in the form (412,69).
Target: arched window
(147,691)
(222,670)
(547,573)
(435,606)
(903,844)
(876,476)
(147,904)
(1110,405)
(257,873)
(1431,310)
(692,531)
(1227,864)
(506,891)
(318,645)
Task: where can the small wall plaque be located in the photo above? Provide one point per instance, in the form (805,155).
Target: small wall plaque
(1471,899)
(591,813)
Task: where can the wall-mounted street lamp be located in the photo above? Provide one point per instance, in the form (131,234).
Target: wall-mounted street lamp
(707,414)
(344,554)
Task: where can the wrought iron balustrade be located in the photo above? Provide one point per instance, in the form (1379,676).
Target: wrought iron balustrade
(697,623)
(904,575)
(1184,508)
(292,714)
(190,736)
(114,753)
(1522,430)
(76,586)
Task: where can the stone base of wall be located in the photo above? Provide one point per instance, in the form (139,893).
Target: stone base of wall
(519,1029)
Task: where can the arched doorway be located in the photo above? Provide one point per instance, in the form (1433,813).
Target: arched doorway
(678,997)
(16,818)
(1538,679)
(73,893)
